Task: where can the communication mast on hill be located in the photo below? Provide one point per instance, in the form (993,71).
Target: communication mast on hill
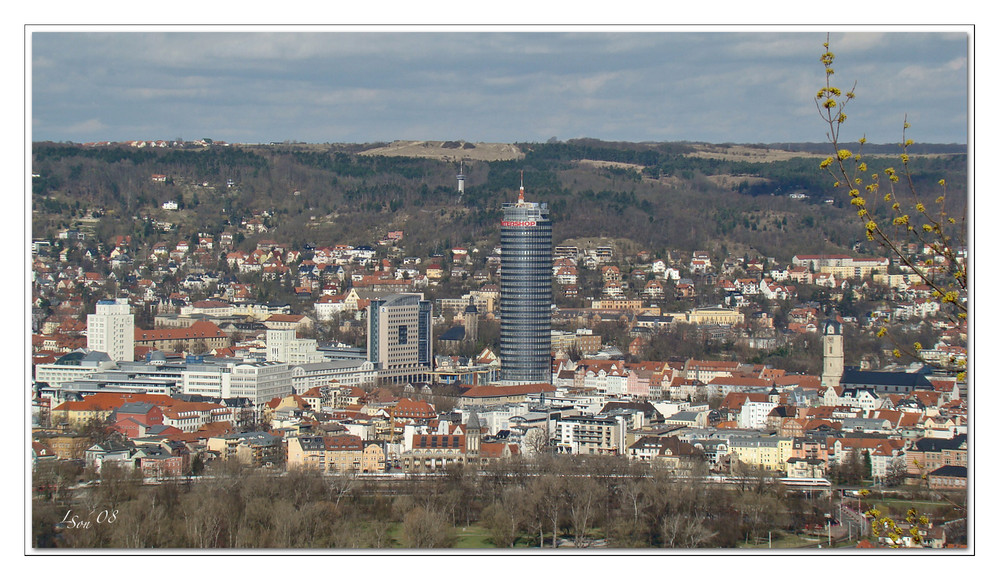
(461,179)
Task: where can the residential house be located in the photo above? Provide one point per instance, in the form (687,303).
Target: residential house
(341,453)
(254,448)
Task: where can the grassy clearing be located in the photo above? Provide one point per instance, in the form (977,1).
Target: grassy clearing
(472,537)
(477,537)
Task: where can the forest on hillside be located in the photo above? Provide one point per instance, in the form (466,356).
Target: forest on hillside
(658,195)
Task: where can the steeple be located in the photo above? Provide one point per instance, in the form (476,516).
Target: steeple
(473,434)
(471,319)
(833,352)
(473,422)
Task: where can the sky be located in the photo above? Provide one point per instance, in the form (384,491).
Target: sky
(361,84)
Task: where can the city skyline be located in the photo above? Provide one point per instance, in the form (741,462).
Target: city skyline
(364,84)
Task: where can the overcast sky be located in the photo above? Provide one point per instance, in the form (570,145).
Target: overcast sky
(490,84)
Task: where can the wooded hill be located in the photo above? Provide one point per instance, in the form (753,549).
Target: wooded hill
(684,196)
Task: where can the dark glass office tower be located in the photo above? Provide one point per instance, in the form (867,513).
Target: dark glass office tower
(525,292)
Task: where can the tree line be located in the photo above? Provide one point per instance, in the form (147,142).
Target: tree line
(555,501)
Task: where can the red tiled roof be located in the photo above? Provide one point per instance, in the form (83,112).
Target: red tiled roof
(413,408)
(735,399)
(200,329)
(279,318)
(742,381)
(496,449)
(806,381)
(438,441)
(506,390)
(815,424)
(343,442)
(110,401)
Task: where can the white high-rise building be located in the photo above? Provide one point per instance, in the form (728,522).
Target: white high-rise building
(112,330)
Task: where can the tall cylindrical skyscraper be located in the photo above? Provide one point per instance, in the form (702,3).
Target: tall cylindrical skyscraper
(525,292)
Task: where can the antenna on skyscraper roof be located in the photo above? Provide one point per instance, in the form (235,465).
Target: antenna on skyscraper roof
(520,195)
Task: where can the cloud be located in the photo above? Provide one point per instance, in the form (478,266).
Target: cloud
(507,85)
(89,126)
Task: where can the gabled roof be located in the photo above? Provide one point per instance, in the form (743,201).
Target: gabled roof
(496,449)
(894,378)
(864,443)
(738,381)
(735,399)
(279,318)
(135,407)
(162,430)
(952,471)
(289,401)
(939,444)
(41,450)
(438,442)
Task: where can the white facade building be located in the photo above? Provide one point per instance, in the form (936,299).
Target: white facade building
(356,372)
(753,414)
(258,382)
(284,346)
(112,330)
(261,382)
(72,367)
(598,435)
(207,380)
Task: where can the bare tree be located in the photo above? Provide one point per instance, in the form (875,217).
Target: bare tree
(501,524)
(535,442)
(203,521)
(760,512)
(547,498)
(427,529)
(583,498)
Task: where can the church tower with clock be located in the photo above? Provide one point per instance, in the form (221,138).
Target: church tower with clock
(833,353)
